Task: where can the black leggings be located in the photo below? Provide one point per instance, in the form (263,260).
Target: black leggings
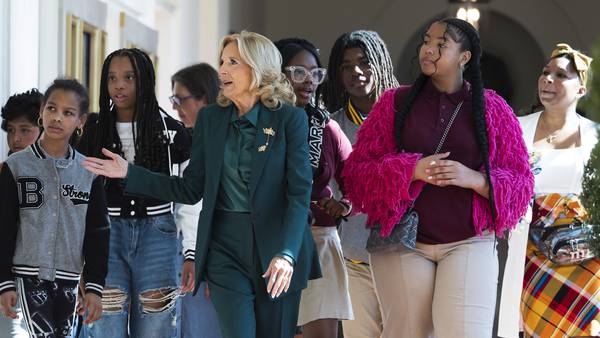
(48,307)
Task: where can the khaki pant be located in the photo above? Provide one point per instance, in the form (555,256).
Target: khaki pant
(442,291)
(367,321)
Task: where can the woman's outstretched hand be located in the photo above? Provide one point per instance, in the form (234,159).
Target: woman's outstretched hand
(114,167)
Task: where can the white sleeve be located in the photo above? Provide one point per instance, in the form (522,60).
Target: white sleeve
(186,217)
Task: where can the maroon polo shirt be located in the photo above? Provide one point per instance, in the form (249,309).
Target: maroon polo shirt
(445,213)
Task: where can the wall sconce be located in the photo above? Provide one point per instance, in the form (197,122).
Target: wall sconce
(470,14)
(468,10)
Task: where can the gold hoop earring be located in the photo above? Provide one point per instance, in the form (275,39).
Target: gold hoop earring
(78,131)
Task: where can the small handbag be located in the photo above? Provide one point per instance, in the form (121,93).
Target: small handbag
(405,232)
(562,234)
(564,244)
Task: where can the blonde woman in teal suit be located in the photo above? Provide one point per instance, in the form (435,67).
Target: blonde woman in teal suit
(249,163)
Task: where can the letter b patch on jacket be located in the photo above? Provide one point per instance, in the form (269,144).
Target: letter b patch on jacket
(30,192)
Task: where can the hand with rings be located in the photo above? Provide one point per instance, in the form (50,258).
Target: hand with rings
(280,276)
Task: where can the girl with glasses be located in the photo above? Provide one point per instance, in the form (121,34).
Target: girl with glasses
(326,300)
(193,87)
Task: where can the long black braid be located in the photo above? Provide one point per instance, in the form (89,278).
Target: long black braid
(150,141)
(334,93)
(466,35)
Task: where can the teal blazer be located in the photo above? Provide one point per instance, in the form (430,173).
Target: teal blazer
(280,186)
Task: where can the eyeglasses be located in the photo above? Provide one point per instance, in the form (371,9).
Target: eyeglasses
(176,100)
(299,74)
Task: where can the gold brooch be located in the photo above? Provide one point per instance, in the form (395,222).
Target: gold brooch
(269,132)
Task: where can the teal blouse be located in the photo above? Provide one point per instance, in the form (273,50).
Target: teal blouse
(234,193)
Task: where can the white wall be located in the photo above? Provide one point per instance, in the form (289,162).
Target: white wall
(24,45)
(20,63)
(51,43)
(189,33)
(4,68)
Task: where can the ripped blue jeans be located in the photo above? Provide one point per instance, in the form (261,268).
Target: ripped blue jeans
(141,293)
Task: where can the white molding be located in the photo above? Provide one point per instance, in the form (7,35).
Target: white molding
(137,33)
(90,11)
(24,45)
(4,68)
(51,55)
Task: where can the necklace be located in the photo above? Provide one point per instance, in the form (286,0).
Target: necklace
(552,137)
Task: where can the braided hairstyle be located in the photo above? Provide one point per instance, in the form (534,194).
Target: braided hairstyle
(291,47)
(376,52)
(149,139)
(466,35)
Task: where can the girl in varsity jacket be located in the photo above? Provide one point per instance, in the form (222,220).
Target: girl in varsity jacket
(142,286)
(53,222)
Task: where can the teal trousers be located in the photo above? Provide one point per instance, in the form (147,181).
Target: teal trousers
(237,289)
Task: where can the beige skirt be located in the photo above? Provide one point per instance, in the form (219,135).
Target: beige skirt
(327,297)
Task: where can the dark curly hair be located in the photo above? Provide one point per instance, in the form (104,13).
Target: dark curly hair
(25,105)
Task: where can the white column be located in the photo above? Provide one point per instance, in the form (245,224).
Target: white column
(24,45)
(4,76)
(50,42)
(213,19)
(187,32)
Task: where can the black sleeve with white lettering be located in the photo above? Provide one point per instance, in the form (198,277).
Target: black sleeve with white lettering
(9,224)
(182,142)
(97,236)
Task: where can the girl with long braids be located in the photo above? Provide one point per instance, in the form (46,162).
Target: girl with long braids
(360,70)
(326,300)
(477,187)
(141,287)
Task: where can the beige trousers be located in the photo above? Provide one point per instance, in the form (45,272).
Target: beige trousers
(442,291)
(367,321)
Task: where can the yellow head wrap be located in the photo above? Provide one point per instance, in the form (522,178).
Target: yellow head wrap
(581,61)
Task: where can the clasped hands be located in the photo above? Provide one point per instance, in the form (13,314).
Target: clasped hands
(436,170)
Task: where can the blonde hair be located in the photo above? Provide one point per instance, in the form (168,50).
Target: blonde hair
(268,82)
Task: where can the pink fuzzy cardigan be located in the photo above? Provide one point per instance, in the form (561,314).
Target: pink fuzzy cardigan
(378,178)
